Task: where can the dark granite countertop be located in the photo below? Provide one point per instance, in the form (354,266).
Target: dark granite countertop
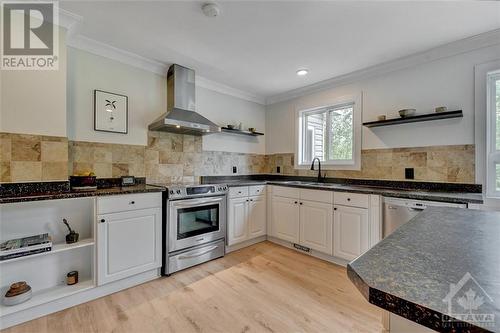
(442,196)
(441,254)
(67,194)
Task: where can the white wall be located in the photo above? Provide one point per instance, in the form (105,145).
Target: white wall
(146,93)
(34,102)
(223,110)
(448,82)
(147,97)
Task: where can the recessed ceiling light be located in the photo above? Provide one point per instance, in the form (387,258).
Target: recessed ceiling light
(302,72)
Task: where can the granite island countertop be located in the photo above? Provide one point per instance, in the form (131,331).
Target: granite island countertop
(438,256)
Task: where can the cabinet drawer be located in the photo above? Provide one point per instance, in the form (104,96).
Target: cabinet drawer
(126,202)
(256,190)
(351,199)
(288,192)
(316,195)
(238,192)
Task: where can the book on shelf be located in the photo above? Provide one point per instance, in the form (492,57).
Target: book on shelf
(19,247)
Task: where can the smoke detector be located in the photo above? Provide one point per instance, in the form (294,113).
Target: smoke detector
(211,10)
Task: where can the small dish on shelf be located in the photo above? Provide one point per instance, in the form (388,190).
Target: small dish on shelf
(18,292)
(406,112)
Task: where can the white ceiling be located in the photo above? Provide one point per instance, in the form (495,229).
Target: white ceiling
(257,46)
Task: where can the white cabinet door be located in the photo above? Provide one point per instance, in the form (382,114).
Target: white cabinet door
(350,232)
(316,221)
(237,224)
(257,225)
(285,219)
(129,243)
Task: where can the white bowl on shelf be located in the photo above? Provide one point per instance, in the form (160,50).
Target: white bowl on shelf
(406,112)
(18,299)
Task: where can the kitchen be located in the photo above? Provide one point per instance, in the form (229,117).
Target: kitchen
(205,185)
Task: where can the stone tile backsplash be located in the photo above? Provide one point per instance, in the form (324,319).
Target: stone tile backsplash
(168,157)
(33,158)
(454,164)
(172,157)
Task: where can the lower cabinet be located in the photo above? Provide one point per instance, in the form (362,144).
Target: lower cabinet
(316,222)
(237,226)
(285,219)
(350,232)
(257,216)
(246,219)
(129,243)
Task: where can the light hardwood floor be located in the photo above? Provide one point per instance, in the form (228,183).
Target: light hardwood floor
(262,288)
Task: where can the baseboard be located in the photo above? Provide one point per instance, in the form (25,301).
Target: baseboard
(245,244)
(78,298)
(312,253)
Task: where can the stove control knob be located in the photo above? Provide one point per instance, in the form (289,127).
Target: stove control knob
(171,191)
(178,191)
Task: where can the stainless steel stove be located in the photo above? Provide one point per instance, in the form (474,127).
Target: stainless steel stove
(194,227)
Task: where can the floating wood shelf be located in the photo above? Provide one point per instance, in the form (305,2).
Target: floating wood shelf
(415,119)
(240,132)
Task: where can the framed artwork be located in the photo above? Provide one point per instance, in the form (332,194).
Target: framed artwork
(110,112)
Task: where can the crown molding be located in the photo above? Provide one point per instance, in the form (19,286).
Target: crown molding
(107,51)
(465,45)
(70,21)
(104,50)
(224,89)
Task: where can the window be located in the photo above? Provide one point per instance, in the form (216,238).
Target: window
(331,133)
(493,144)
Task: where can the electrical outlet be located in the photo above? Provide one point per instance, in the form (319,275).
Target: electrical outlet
(235,170)
(409,173)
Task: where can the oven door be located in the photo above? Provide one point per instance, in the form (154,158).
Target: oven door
(196,221)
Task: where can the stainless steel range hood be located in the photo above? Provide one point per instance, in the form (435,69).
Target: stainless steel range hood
(181,116)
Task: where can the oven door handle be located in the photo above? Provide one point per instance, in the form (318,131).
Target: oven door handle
(197,254)
(195,202)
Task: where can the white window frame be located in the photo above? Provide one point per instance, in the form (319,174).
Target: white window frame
(355,163)
(492,154)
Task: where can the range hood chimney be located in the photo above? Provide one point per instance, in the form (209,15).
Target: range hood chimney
(181,116)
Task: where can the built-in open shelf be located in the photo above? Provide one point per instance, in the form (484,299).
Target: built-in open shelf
(414,119)
(56,248)
(240,132)
(47,295)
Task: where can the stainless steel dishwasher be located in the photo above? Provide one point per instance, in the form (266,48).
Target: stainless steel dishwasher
(399,211)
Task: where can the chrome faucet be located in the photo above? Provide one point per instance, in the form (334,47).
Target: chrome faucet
(320,179)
